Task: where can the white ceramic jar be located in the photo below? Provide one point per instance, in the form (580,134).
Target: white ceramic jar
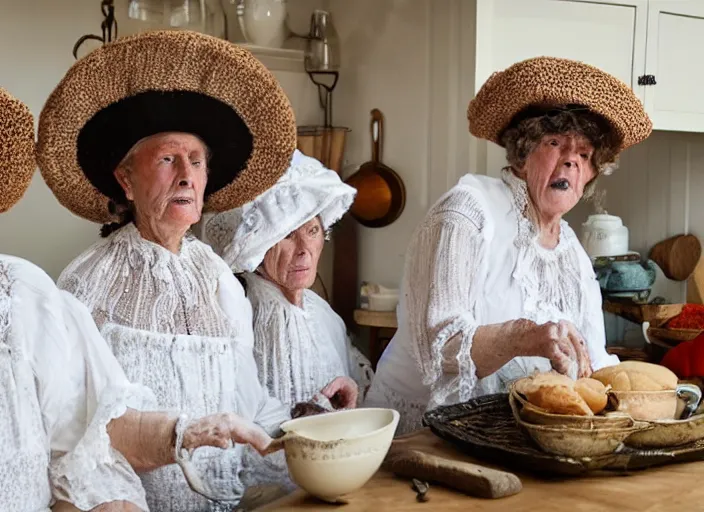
(604,235)
(263,22)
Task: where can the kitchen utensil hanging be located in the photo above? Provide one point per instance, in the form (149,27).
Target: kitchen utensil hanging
(381,194)
(108,27)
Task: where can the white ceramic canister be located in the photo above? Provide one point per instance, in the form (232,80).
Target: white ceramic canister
(263,22)
(604,235)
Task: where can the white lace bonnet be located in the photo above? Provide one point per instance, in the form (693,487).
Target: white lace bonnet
(242,236)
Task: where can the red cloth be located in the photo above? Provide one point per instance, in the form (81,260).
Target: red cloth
(686,360)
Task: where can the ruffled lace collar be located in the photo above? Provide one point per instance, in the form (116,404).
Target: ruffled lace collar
(527,231)
(131,281)
(149,250)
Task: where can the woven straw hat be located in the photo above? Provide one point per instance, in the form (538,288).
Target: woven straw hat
(17,162)
(157,82)
(549,81)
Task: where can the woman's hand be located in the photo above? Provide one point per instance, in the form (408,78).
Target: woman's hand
(342,393)
(223,429)
(560,342)
(147,439)
(495,345)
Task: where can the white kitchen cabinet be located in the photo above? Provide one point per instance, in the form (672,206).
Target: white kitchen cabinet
(675,46)
(607,34)
(638,41)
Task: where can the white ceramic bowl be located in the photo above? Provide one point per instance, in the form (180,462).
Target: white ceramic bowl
(333,454)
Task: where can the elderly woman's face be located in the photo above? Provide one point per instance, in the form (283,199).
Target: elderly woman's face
(293,262)
(557,171)
(165,178)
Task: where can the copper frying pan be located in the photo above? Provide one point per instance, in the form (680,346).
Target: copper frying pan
(381,194)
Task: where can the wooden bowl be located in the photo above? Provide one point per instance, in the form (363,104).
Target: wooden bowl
(578,443)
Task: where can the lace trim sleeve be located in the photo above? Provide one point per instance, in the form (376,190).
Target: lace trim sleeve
(85,470)
(446,265)
(94,473)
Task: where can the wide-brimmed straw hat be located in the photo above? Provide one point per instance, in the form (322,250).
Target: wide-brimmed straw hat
(17,162)
(164,81)
(549,81)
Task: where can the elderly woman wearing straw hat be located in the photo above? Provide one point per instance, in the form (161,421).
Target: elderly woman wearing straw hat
(496,284)
(70,421)
(140,135)
(300,343)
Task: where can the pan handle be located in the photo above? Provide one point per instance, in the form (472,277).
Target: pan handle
(376,128)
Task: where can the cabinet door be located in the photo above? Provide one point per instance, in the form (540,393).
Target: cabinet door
(675,47)
(607,34)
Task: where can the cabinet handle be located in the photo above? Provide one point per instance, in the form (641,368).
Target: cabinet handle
(647,80)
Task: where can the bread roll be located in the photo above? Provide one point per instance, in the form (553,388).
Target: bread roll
(553,393)
(530,384)
(594,394)
(636,376)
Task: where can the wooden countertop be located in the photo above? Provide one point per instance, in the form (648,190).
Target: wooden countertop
(370,318)
(668,488)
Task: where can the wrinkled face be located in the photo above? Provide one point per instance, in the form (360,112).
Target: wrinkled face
(293,262)
(557,171)
(165,176)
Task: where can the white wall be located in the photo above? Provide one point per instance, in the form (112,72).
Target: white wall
(36,40)
(410,59)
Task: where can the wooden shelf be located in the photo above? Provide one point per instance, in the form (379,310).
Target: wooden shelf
(277,59)
(639,313)
(369,318)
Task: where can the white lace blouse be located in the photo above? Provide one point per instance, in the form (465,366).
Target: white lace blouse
(299,350)
(181,325)
(475,260)
(59,388)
